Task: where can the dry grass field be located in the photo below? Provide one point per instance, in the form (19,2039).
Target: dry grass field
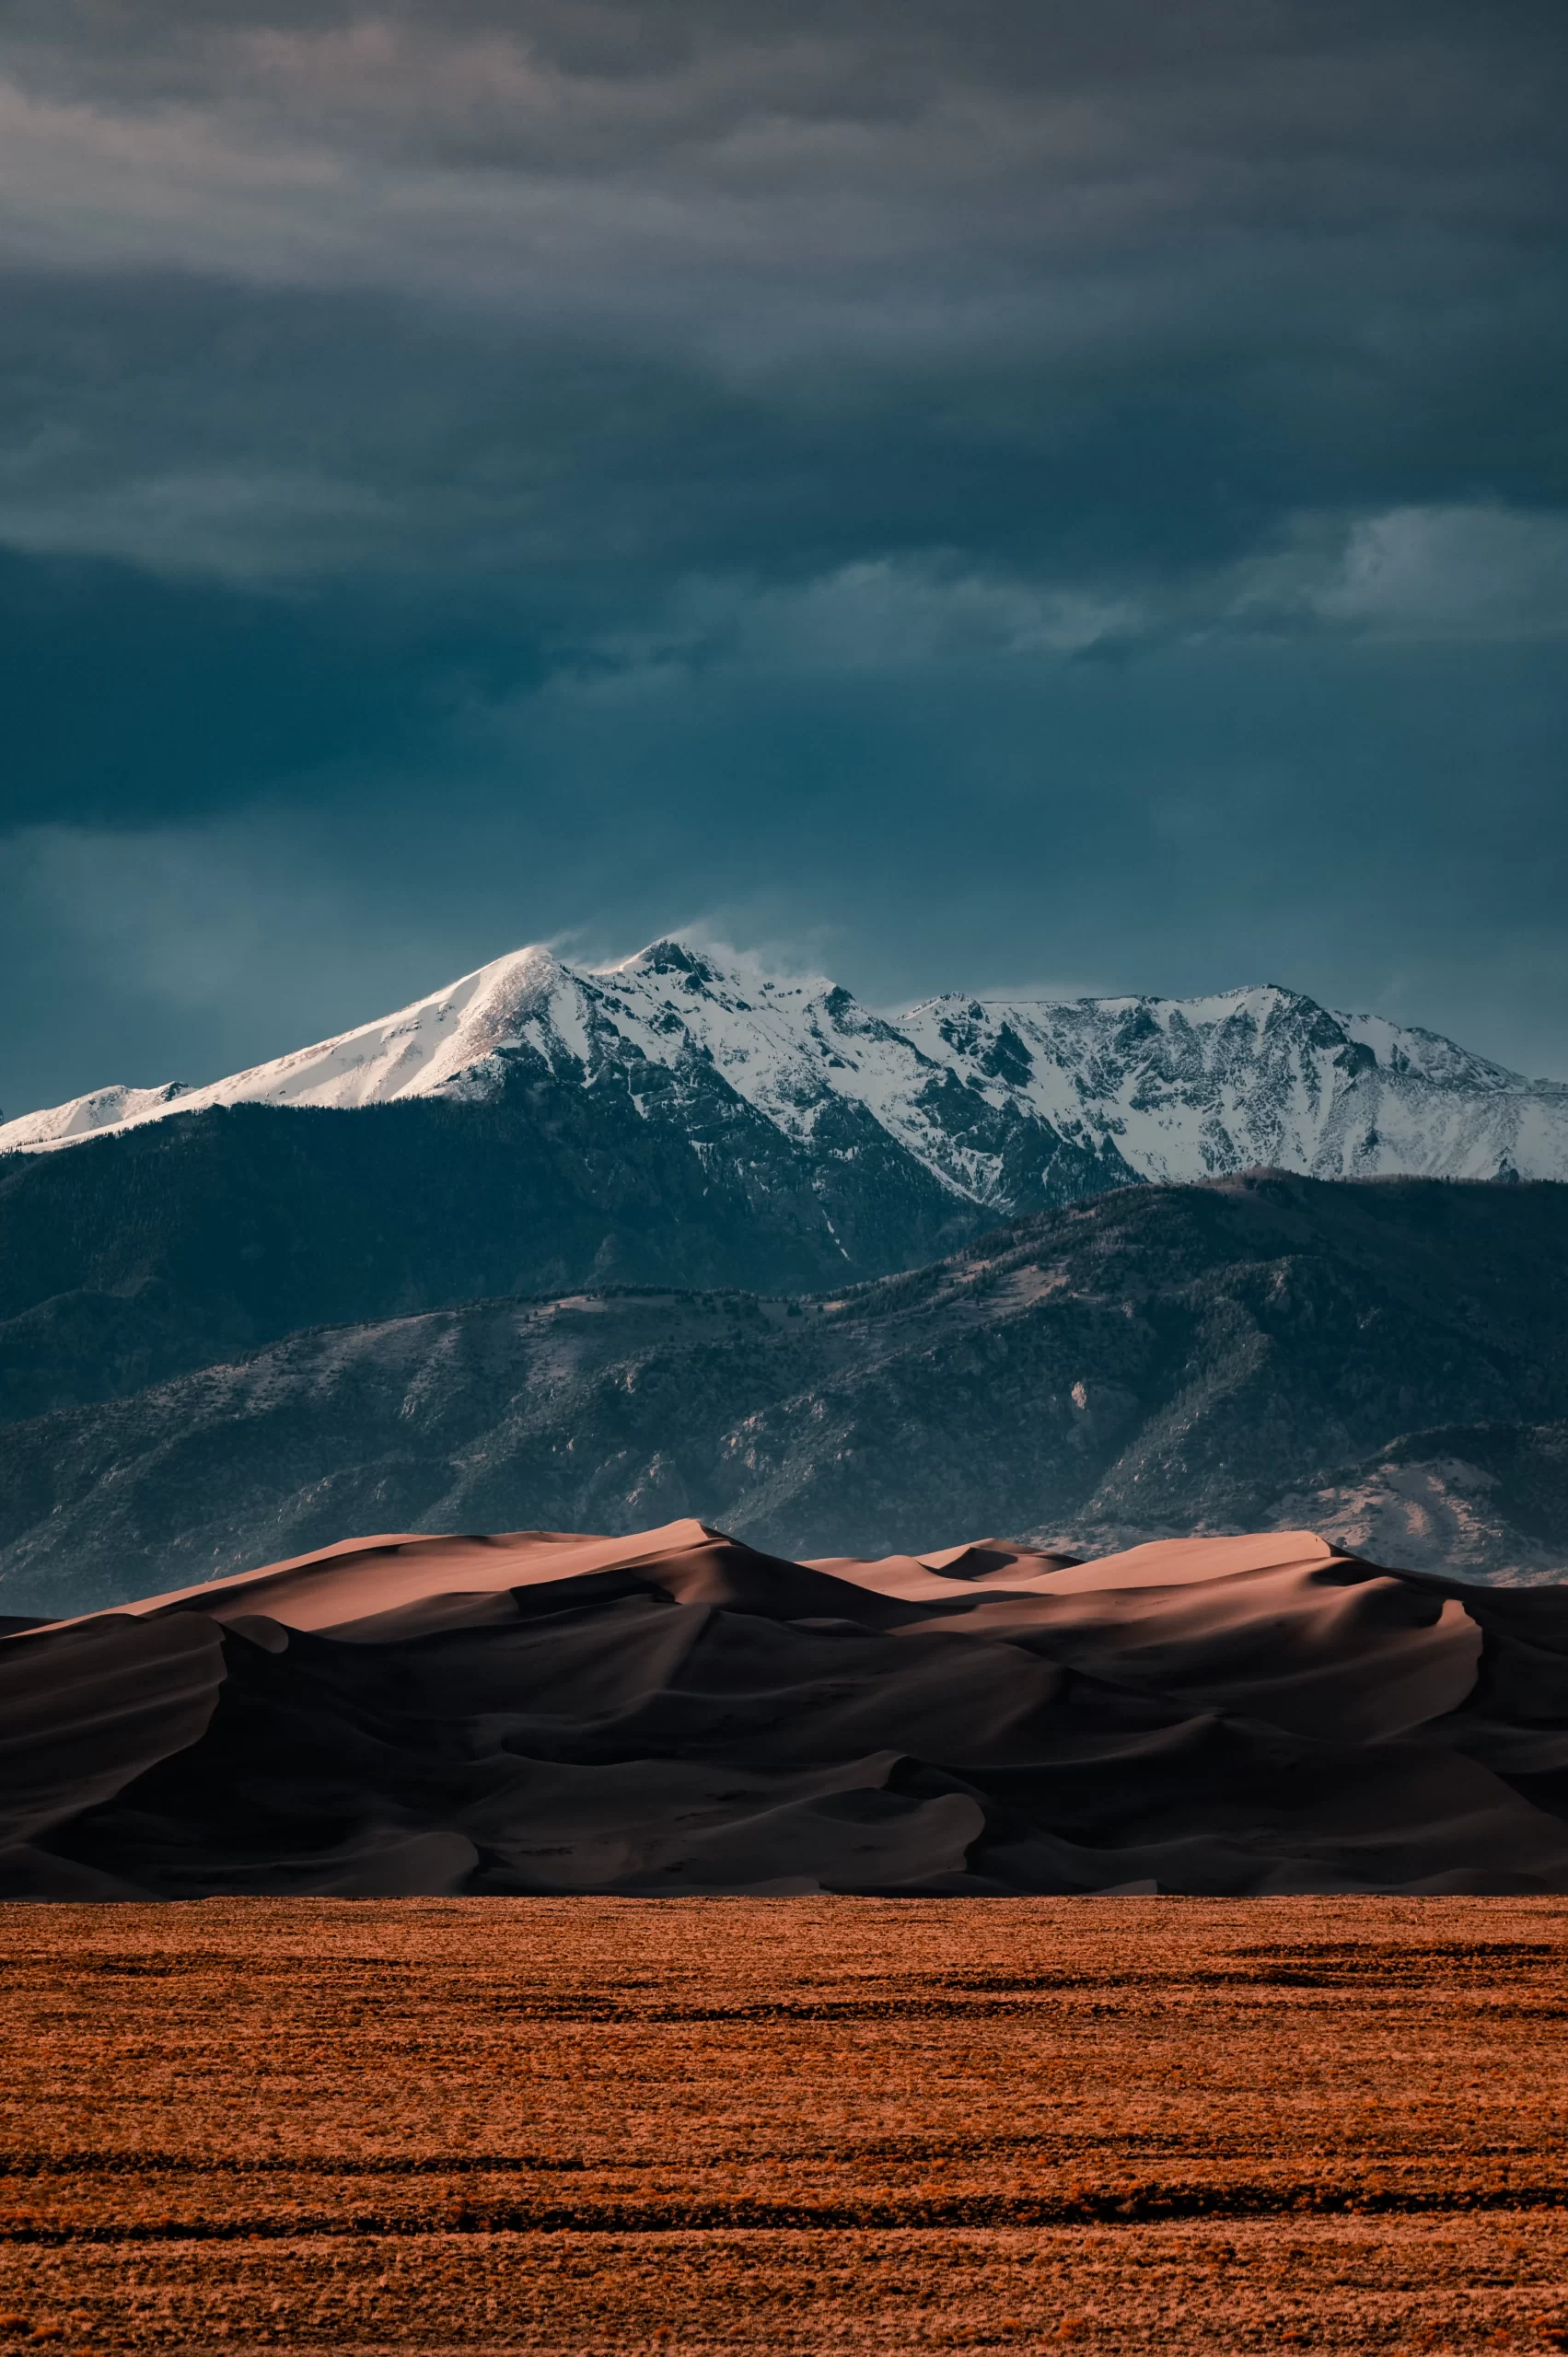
(746,2125)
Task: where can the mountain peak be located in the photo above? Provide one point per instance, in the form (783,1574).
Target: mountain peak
(667,956)
(1006,1102)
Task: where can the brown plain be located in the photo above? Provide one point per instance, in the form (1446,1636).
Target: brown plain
(792,2124)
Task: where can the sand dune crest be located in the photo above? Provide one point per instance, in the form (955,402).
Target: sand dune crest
(674,1711)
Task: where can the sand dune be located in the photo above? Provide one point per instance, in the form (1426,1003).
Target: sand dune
(547,1712)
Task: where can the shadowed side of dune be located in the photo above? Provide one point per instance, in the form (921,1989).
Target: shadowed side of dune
(674,1712)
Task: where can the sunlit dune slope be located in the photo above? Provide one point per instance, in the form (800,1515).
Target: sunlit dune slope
(675,1711)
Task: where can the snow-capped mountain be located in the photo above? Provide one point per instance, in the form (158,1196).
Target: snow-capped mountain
(1006,1105)
(1194,1088)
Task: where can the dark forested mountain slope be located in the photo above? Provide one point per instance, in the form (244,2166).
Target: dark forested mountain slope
(1157,1360)
(142,1254)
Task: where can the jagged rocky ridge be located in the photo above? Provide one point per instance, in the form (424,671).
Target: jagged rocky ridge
(676,1121)
(1007,1104)
(675,1711)
(1384,1360)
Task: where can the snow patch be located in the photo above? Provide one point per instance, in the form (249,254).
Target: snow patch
(1175,1089)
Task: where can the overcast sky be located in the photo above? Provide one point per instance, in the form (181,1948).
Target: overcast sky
(975,493)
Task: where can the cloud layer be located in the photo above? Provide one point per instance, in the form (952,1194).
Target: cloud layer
(637,433)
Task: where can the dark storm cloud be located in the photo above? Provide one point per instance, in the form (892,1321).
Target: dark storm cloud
(606,295)
(643,433)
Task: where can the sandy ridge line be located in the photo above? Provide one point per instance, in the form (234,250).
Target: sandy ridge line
(1116,2206)
(173,2169)
(150,2164)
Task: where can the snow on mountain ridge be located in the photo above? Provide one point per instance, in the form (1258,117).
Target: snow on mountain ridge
(1192,1088)
(1154,1088)
(416,1051)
